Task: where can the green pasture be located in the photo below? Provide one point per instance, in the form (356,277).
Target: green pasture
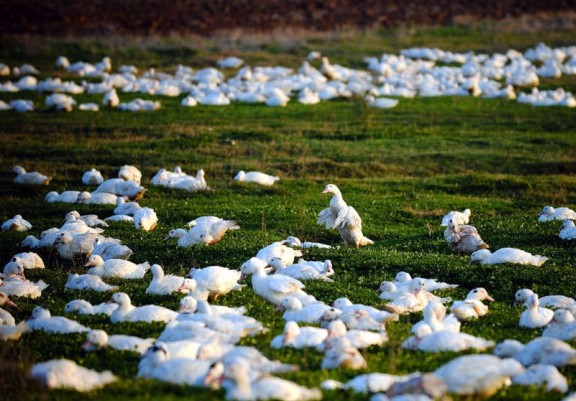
(401,168)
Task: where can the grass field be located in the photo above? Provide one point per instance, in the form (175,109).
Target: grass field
(402,169)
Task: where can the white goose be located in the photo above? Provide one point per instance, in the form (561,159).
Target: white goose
(337,203)
(562,326)
(189,305)
(163,284)
(119,268)
(6,318)
(88,282)
(341,354)
(83,307)
(436,319)
(126,312)
(98,339)
(298,337)
(42,319)
(16,284)
(507,255)
(280,250)
(16,223)
(463,238)
(29,260)
(214,281)
(541,350)
(66,374)
(472,306)
(256,177)
(550,301)
(358,338)
(126,208)
(299,271)
(294,310)
(30,178)
(543,374)
(535,316)
(462,217)
(109,248)
(272,288)
(130,173)
(568,231)
(92,177)
(239,386)
(145,219)
(550,213)
(424,339)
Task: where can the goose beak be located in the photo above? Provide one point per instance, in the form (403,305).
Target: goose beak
(242,277)
(489,298)
(9,302)
(86,346)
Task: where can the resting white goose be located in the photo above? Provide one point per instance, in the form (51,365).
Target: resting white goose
(195,331)
(436,319)
(92,177)
(109,248)
(29,260)
(295,242)
(64,197)
(42,319)
(189,304)
(472,306)
(16,223)
(298,337)
(120,187)
(91,220)
(535,316)
(414,300)
(164,284)
(66,374)
(98,339)
(88,282)
(96,198)
(145,219)
(119,268)
(275,287)
(562,326)
(541,350)
(341,354)
(507,255)
(550,301)
(353,319)
(358,338)
(462,217)
(463,238)
(157,364)
(126,312)
(75,246)
(280,250)
(403,278)
(30,178)
(83,307)
(568,231)
(6,318)
(480,375)
(543,374)
(214,281)
(15,283)
(550,213)
(299,271)
(294,310)
(344,304)
(240,386)
(256,177)
(126,208)
(130,173)
(206,234)
(424,339)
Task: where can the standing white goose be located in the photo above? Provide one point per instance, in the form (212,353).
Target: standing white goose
(337,203)
(472,306)
(126,312)
(116,268)
(507,255)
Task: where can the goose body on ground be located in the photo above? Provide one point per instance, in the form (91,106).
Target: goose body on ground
(562,326)
(298,337)
(256,177)
(472,306)
(214,281)
(507,255)
(145,219)
(568,231)
(16,223)
(92,177)
(294,310)
(550,301)
(30,178)
(126,312)
(66,374)
(83,307)
(88,282)
(42,319)
(299,271)
(29,260)
(111,249)
(550,213)
(463,238)
(163,284)
(424,339)
(535,316)
(541,350)
(98,339)
(118,268)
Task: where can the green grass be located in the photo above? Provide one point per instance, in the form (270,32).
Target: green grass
(402,169)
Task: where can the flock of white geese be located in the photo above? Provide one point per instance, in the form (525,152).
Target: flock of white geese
(423,72)
(199,344)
